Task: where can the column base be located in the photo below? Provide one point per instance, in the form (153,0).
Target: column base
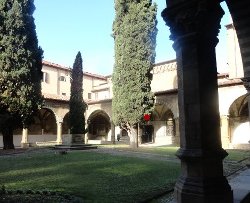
(25,145)
(77,139)
(209,190)
(59,142)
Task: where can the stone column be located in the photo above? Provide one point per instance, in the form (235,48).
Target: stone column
(24,142)
(170,127)
(225,136)
(194,27)
(112,133)
(176,140)
(59,131)
(169,131)
(140,136)
(246,83)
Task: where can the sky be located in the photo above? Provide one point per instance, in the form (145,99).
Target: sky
(63,28)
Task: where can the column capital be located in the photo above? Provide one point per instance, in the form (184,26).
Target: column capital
(59,119)
(226,116)
(198,18)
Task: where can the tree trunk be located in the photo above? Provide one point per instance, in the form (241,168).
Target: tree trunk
(7,123)
(133,137)
(8,138)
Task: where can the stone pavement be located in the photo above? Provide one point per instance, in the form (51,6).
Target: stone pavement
(241,186)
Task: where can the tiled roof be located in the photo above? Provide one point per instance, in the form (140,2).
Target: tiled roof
(56,97)
(222,75)
(98,101)
(66,98)
(95,75)
(165,62)
(55,65)
(230,82)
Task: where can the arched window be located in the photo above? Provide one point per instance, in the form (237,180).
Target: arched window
(62,78)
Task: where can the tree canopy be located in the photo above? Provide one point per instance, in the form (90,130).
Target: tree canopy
(134,32)
(76,103)
(20,61)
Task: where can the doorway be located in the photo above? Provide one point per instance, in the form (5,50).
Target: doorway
(147,133)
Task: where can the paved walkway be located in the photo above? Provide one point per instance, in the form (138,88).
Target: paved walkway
(241,186)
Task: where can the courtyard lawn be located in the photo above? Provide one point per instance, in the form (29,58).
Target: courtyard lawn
(237,154)
(170,151)
(92,176)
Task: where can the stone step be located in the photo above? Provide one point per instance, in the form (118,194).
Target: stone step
(72,145)
(75,147)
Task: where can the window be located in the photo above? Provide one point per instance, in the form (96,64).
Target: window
(64,94)
(45,77)
(62,78)
(89,95)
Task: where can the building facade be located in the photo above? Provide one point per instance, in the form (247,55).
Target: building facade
(51,124)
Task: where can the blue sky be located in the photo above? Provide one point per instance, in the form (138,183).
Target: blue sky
(65,27)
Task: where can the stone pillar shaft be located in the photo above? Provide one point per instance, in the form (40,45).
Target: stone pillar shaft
(59,133)
(194,26)
(225,136)
(24,142)
(176,138)
(246,82)
(112,132)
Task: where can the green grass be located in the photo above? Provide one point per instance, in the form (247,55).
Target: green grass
(92,176)
(237,154)
(170,151)
(161,150)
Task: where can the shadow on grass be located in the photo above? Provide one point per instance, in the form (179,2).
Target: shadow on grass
(91,176)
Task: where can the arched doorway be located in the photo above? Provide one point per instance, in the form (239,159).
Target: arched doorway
(163,125)
(44,122)
(239,123)
(99,126)
(124,138)
(147,134)
(44,127)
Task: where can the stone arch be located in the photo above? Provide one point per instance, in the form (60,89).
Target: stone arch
(124,137)
(239,11)
(238,107)
(65,124)
(161,112)
(238,120)
(99,125)
(93,108)
(163,122)
(44,122)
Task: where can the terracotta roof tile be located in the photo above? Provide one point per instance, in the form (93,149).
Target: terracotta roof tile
(56,97)
(55,65)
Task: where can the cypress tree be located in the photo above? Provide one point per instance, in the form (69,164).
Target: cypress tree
(134,32)
(20,67)
(76,103)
